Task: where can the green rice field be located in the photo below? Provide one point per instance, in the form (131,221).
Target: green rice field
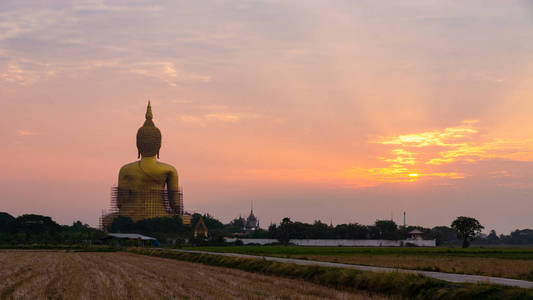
(515,262)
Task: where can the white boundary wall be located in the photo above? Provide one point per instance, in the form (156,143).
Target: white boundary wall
(335,243)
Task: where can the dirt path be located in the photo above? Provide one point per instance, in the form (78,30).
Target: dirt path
(83,275)
(438,275)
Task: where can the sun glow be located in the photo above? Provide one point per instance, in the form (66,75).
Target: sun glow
(428,151)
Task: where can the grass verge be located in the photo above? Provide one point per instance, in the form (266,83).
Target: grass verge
(391,284)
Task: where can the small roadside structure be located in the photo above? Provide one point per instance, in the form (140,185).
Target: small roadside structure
(200,229)
(130,239)
(415,235)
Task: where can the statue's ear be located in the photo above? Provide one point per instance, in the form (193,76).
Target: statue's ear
(157,154)
(139,154)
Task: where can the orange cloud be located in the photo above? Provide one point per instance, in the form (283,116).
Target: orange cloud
(494,149)
(460,143)
(394,173)
(447,137)
(24,132)
(463,143)
(402,157)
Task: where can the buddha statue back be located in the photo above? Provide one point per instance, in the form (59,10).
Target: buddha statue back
(147,188)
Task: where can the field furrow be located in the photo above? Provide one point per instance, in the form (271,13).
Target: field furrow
(85,275)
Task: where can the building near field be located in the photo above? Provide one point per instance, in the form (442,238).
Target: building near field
(415,235)
(130,238)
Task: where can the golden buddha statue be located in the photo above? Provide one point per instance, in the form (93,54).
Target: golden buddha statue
(148,188)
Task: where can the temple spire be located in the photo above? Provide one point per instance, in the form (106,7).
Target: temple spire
(149,115)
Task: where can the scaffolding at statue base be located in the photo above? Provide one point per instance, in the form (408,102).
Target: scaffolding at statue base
(142,205)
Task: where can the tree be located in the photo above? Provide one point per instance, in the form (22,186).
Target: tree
(121,224)
(350,231)
(37,228)
(444,235)
(236,225)
(284,232)
(386,229)
(272,230)
(321,230)
(212,223)
(467,228)
(493,237)
(7,222)
(76,234)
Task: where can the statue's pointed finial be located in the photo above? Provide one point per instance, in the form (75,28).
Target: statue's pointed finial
(149,115)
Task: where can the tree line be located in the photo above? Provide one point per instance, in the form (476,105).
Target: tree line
(29,229)
(463,231)
(171,230)
(37,229)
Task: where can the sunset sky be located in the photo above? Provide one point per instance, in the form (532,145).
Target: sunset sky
(340,111)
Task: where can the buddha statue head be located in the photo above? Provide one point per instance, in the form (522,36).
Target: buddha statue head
(148,136)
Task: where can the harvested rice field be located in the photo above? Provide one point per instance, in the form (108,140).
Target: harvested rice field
(118,275)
